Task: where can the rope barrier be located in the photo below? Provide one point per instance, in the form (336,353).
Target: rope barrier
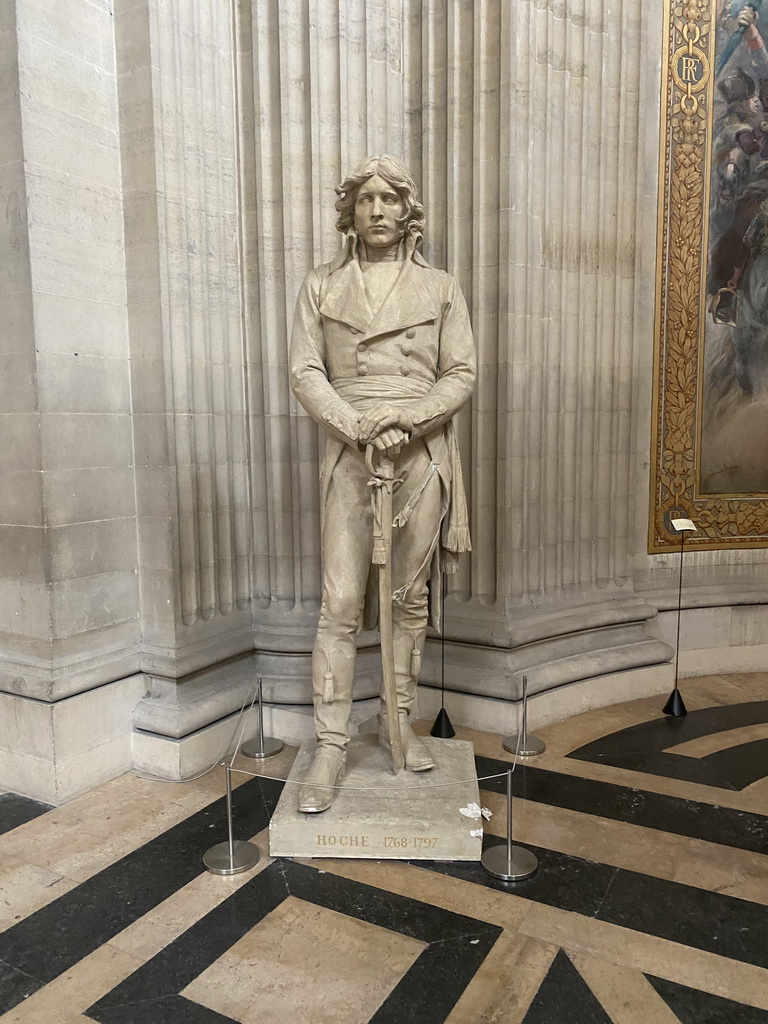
(239,729)
(369,789)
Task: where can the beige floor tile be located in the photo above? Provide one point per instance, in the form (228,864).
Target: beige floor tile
(693,967)
(64,1017)
(559,928)
(212,784)
(748,799)
(438,890)
(721,741)
(64,999)
(95,830)
(306,963)
(155,930)
(24,888)
(276,767)
(563,737)
(502,990)
(732,688)
(625,994)
(758,794)
(91,832)
(694,862)
(80,853)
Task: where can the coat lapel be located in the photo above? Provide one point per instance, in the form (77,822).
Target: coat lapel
(346,300)
(412,299)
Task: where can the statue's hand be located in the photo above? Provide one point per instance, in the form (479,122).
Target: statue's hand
(382,417)
(390,441)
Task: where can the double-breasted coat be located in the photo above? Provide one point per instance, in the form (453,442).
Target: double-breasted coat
(416,351)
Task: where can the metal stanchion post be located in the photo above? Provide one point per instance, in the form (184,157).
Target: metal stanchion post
(510,862)
(263,746)
(524,745)
(235,855)
(675,706)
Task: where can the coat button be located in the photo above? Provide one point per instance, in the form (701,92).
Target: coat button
(410,333)
(406,350)
(362,371)
(361,347)
(353,330)
(404,370)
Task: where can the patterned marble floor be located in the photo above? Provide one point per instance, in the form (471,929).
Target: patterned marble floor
(650,905)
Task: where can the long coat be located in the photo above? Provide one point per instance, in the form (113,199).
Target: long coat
(416,350)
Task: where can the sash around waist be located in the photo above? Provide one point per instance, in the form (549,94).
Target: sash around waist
(380,387)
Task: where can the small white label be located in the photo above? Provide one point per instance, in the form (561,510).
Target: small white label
(681,525)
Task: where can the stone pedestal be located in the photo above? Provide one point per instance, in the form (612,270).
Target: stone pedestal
(409,816)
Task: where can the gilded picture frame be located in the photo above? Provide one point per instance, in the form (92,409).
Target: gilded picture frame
(709,457)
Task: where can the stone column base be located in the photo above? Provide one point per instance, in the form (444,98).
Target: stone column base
(179,758)
(53,751)
(489,714)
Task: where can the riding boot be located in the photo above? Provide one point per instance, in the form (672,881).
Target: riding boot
(332,678)
(407,651)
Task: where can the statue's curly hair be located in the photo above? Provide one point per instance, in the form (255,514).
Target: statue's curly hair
(391,170)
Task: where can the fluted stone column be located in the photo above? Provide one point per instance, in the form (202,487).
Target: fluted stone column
(179,147)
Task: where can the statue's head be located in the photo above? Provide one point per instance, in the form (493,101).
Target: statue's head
(381,183)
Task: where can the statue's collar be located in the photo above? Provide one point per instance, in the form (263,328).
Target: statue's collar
(350,251)
(413,299)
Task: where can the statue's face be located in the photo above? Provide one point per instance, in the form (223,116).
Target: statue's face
(378,208)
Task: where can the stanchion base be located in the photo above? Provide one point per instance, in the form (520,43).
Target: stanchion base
(675,706)
(533,745)
(245,856)
(270,748)
(443,728)
(524,863)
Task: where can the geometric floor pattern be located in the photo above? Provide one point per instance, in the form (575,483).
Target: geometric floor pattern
(650,903)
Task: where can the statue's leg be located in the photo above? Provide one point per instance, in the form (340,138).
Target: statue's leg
(413,543)
(346,558)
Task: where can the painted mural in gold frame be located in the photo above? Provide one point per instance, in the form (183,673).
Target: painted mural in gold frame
(709,458)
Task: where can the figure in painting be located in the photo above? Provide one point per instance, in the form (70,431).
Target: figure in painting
(739,121)
(382,357)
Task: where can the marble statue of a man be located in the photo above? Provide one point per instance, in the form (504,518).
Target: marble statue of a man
(381,355)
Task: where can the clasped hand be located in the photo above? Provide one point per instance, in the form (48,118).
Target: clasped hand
(386,427)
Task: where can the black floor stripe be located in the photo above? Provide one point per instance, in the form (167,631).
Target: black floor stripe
(723,825)
(564,996)
(456,947)
(17,810)
(166,1010)
(52,939)
(730,927)
(667,766)
(642,747)
(691,1006)
(15,986)
(743,764)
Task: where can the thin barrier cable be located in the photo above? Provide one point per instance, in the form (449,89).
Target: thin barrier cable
(370,789)
(378,789)
(240,723)
(244,718)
